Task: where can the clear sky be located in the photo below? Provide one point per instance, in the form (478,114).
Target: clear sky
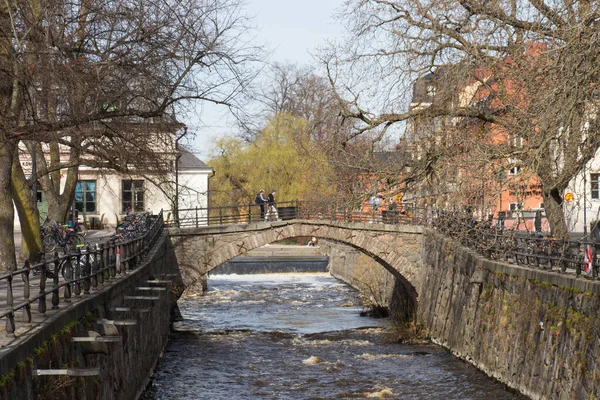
(292,30)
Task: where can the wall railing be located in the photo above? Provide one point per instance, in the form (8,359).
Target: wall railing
(80,272)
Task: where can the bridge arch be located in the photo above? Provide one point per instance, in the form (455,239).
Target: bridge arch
(395,247)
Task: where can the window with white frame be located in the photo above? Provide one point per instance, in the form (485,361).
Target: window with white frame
(514,169)
(515,206)
(431,90)
(132,195)
(595,187)
(515,141)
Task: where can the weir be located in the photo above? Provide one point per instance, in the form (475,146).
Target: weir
(277,259)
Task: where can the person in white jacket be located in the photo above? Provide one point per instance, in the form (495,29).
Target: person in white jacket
(272,209)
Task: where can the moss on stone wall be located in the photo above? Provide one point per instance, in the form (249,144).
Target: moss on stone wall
(535,335)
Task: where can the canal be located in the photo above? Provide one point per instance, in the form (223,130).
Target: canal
(301,336)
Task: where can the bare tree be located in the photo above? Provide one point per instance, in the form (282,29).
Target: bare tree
(67,66)
(301,92)
(519,70)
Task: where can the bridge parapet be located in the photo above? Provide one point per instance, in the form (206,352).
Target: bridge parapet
(395,247)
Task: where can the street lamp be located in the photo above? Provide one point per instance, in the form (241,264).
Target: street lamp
(177,157)
(501,179)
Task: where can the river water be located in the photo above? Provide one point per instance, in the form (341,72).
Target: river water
(301,336)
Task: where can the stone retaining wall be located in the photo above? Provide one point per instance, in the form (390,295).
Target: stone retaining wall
(537,331)
(124,367)
(360,271)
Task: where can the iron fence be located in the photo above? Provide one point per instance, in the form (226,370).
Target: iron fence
(287,210)
(79,272)
(529,249)
(224,215)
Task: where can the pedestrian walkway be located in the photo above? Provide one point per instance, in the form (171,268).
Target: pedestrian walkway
(18,292)
(92,237)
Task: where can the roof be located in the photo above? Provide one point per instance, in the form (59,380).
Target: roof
(189,161)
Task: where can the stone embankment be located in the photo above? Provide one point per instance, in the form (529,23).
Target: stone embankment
(103,345)
(535,330)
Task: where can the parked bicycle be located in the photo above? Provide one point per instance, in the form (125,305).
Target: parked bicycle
(80,227)
(53,237)
(132,226)
(71,265)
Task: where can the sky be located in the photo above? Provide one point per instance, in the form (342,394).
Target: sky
(291,30)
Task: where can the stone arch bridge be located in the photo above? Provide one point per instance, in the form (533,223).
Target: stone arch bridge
(397,248)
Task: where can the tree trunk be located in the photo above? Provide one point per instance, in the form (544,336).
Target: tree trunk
(59,203)
(29,216)
(555,214)
(7,213)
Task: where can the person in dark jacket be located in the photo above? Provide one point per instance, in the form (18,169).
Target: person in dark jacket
(272,206)
(537,222)
(261,201)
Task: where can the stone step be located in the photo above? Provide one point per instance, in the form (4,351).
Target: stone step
(122,322)
(141,297)
(68,372)
(98,339)
(129,309)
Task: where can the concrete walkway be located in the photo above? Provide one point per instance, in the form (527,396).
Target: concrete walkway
(93,237)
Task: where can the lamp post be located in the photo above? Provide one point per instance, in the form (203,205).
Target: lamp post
(34,176)
(501,179)
(177,157)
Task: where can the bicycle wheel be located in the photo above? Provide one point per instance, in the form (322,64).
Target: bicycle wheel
(49,244)
(74,241)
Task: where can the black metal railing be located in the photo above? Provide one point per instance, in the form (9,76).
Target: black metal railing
(79,272)
(536,250)
(225,215)
(531,249)
(287,210)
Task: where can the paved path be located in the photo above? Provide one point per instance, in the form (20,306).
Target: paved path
(93,236)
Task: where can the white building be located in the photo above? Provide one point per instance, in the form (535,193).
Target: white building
(585,205)
(103,197)
(193,181)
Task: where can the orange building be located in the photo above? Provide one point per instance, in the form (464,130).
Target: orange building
(501,189)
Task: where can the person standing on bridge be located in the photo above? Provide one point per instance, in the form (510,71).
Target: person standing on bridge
(272,209)
(261,201)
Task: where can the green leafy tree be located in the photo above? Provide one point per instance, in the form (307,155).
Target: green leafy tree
(282,157)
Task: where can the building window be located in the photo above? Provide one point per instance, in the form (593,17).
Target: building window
(85,197)
(595,186)
(133,196)
(431,91)
(515,169)
(516,141)
(515,206)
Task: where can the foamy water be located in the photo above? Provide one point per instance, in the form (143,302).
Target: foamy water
(301,336)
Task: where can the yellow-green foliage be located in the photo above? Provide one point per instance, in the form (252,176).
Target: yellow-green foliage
(4,379)
(282,158)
